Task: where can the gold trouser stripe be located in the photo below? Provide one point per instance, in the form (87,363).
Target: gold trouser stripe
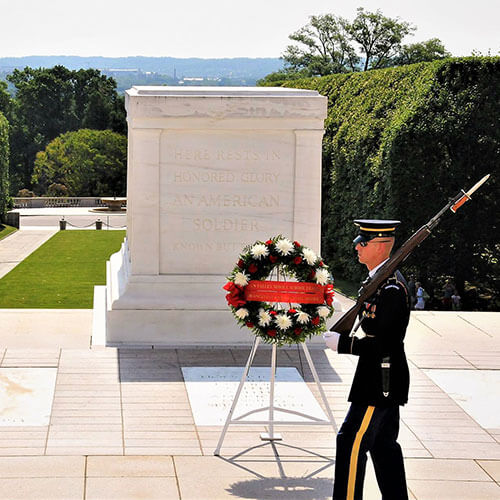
(353,465)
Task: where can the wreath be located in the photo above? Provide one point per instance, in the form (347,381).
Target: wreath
(280,311)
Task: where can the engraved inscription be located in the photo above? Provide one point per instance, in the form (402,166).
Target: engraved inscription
(220,191)
(187,177)
(221,176)
(225,155)
(220,224)
(225,200)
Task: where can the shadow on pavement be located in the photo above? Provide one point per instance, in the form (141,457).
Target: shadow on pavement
(307,487)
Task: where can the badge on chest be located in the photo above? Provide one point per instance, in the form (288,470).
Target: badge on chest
(369,310)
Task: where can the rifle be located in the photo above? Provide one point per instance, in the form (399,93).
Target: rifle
(370,285)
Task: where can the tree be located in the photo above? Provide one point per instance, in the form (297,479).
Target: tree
(5,99)
(326,47)
(4,165)
(51,101)
(85,162)
(427,51)
(378,36)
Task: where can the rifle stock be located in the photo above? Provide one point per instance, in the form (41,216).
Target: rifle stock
(370,285)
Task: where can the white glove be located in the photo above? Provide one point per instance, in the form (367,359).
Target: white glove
(331,339)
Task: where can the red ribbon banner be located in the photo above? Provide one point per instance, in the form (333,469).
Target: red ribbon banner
(283,291)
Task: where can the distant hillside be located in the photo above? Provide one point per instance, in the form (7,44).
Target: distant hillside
(157,70)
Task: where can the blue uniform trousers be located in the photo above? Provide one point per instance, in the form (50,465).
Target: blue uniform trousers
(375,430)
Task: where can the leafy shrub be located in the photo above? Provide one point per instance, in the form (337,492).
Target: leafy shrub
(86,162)
(56,189)
(25,193)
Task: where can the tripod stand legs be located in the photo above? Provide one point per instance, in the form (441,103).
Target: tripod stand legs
(271,435)
(237,395)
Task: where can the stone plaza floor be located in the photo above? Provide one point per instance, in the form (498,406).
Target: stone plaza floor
(115,423)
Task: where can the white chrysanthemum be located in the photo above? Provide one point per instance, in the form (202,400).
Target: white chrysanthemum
(309,256)
(264,317)
(284,246)
(323,311)
(259,250)
(242,313)
(240,279)
(283,321)
(322,276)
(302,317)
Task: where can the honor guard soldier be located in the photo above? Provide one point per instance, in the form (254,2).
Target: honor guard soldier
(381,380)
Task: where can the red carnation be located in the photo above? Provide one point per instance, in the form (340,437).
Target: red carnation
(269,242)
(273,259)
(249,324)
(271,333)
(292,311)
(297,260)
(298,331)
(296,243)
(252,268)
(241,264)
(321,263)
(273,313)
(315,321)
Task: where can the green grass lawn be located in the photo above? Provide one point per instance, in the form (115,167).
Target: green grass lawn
(347,288)
(6,230)
(62,272)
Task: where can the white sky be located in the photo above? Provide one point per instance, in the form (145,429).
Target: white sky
(221,28)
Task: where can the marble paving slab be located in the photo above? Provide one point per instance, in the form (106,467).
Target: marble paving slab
(476,391)
(26,396)
(211,391)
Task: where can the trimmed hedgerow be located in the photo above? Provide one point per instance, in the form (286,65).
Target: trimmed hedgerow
(398,143)
(4,165)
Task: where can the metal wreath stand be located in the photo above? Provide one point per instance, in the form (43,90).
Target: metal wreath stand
(271,422)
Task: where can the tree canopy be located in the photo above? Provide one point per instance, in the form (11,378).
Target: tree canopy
(5,100)
(83,163)
(379,37)
(330,44)
(421,52)
(324,47)
(4,165)
(51,101)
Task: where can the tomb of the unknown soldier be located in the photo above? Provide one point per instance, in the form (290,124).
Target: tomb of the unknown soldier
(210,170)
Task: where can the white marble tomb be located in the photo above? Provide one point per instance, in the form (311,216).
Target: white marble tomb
(210,170)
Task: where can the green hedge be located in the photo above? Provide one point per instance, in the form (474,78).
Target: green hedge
(4,165)
(398,143)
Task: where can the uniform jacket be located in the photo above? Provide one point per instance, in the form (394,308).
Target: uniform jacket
(385,318)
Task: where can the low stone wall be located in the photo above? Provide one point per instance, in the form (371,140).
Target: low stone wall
(57,202)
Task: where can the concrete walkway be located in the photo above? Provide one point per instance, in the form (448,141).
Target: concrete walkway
(121,424)
(17,246)
(100,423)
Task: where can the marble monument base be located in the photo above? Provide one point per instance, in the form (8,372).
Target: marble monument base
(164,310)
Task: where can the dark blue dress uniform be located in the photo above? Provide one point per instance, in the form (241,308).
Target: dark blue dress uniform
(380,386)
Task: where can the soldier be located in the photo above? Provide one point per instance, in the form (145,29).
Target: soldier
(381,380)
